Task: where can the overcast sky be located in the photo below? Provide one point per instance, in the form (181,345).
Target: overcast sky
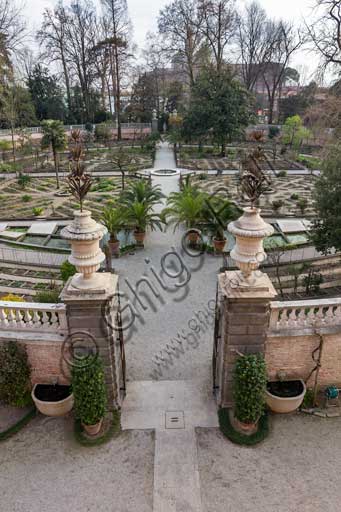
(144,14)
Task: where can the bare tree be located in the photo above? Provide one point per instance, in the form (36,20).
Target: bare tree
(12,25)
(80,32)
(251,43)
(325,31)
(219,26)
(116,12)
(181,25)
(53,37)
(282,40)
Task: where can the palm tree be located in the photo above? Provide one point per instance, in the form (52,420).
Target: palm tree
(142,192)
(185,207)
(141,216)
(114,219)
(54,136)
(217,213)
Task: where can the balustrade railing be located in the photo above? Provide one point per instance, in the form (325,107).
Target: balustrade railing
(33,317)
(308,314)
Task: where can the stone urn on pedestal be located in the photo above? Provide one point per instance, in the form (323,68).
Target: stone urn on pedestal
(248,252)
(84,234)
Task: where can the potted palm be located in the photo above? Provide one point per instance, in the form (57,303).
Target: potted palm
(249,392)
(218,213)
(185,207)
(114,219)
(89,391)
(141,216)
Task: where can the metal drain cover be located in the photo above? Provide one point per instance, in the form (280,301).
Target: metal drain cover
(175,419)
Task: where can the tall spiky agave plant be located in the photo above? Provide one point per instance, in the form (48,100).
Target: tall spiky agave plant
(78,180)
(254,182)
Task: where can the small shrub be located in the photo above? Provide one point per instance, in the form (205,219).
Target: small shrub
(37,211)
(89,390)
(24,180)
(277,204)
(103,132)
(48,296)
(294,197)
(14,375)
(202,177)
(274,131)
(249,388)
(67,270)
(26,198)
(282,174)
(302,204)
(4,168)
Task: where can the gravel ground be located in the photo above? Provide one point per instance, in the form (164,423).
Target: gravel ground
(297,469)
(42,468)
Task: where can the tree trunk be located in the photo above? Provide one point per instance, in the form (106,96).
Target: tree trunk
(223,150)
(55,159)
(123,176)
(118,94)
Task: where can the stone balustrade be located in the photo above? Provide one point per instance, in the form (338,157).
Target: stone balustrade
(33,317)
(306,315)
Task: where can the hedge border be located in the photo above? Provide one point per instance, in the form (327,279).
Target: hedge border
(6,434)
(239,438)
(112,431)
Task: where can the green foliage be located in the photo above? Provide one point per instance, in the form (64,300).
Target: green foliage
(219,106)
(103,132)
(282,174)
(327,196)
(239,438)
(311,162)
(185,207)
(294,133)
(294,196)
(26,198)
(114,219)
(88,385)
(217,213)
(46,93)
(67,270)
(142,192)
(37,211)
(249,381)
(277,204)
(302,204)
(53,135)
(141,216)
(308,400)
(14,375)
(48,296)
(274,131)
(24,180)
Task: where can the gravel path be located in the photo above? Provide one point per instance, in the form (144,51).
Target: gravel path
(167,316)
(297,469)
(43,468)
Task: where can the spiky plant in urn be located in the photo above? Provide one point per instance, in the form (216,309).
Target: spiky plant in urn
(84,233)
(250,229)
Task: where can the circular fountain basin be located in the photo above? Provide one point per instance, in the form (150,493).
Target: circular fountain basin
(165,172)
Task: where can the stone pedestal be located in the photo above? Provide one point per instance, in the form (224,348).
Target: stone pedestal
(94,312)
(244,320)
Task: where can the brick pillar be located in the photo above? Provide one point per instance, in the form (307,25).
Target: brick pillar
(94,311)
(244,321)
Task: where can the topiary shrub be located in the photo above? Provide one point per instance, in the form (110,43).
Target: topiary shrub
(282,174)
(249,388)
(26,198)
(89,390)
(67,270)
(14,375)
(277,204)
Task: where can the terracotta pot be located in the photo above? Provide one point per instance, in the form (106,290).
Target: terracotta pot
(139,236)
(54,409)
(219,245)
(245,428)
(114,247)
(93,430)
(284,405)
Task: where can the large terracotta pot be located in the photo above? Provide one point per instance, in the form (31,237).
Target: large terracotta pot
(219,245)
(52,408)
(114,247)
(139,236)
(284,405)
(93,430)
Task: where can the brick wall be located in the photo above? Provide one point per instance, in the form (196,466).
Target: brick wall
(45,360)
(293,354)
